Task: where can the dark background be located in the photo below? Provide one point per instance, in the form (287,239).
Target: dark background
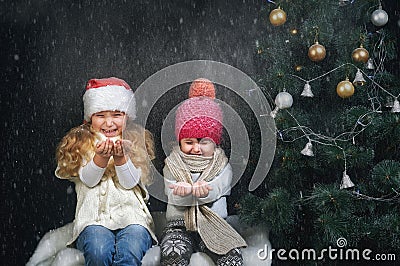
(50,48)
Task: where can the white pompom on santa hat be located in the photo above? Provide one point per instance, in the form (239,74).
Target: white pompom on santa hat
(108,94)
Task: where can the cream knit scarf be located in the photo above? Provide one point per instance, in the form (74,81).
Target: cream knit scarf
(217,234)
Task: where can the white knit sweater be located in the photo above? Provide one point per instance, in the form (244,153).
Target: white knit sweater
(110,205)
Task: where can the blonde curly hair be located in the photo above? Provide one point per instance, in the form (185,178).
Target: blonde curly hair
(77,148)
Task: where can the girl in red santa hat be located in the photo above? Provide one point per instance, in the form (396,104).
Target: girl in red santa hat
(197,178)
(112,223)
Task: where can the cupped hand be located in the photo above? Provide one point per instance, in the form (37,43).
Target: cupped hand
(118,148)
(181,188)
(201,189)
(105,148)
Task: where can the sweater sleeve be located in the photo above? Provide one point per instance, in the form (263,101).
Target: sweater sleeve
(90,174)
(221,185)
(128,174)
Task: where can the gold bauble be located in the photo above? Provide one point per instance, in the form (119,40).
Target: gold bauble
(277,17)
(345,89)
(316,52)
(360,55)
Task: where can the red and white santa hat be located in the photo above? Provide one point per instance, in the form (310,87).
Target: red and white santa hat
(108,94)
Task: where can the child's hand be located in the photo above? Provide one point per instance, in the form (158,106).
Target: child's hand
(122,147)
(118,149)
(201,189)
(181,188)
(105,148)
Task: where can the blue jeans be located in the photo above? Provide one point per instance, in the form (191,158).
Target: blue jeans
(101,246)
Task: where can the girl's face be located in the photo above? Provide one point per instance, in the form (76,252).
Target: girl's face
(193,146)
(109,123)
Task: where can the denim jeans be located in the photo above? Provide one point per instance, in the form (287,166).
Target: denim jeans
(101,246)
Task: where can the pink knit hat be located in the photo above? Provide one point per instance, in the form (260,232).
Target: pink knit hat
(199,116)
(108,94)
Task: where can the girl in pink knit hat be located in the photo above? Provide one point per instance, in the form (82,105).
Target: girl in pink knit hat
(112,224)
(197,178)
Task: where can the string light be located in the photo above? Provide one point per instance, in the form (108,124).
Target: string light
(343,65)
(395,198)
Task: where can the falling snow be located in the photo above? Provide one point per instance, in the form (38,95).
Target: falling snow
(51,48)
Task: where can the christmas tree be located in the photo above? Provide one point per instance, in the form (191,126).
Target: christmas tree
(330,69)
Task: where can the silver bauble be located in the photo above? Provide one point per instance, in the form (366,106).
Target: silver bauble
(284,100)
(379,17)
